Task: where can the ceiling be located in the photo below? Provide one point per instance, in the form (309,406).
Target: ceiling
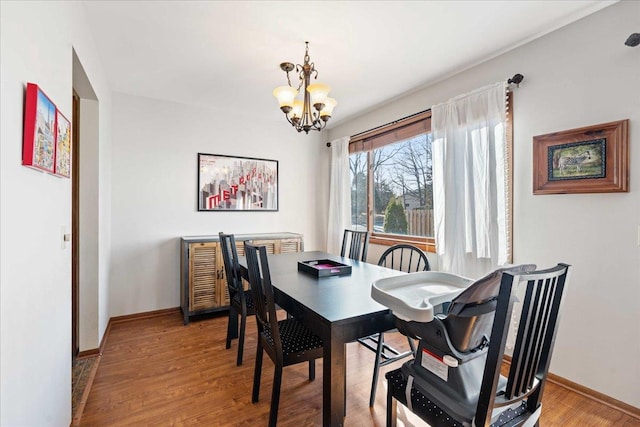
(226,54)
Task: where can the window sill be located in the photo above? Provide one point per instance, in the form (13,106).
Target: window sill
(427,244)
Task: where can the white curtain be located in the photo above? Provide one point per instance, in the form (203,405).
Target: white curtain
(470,190)
(339,194)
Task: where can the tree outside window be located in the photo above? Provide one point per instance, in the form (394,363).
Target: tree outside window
(401,181)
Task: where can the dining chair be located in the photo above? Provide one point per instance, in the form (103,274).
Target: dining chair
(242,301)
(357,242)
(481,396)
(287,341)
(402,257)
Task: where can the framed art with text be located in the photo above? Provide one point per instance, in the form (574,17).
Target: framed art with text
(592,159)
(63,146)
(38,146)
(228,183)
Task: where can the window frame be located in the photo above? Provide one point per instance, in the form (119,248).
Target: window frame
(406,128)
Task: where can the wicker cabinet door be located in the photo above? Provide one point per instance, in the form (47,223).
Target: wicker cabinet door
(224,297)
(286,246)
(270,245)
(204,276)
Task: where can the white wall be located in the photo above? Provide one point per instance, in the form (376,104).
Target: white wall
(155,146)
(579,75)
(36,41)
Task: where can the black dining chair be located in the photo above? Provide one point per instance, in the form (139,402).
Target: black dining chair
(240,300)
(287,341)
(357,243)
(402,257)
(482,396)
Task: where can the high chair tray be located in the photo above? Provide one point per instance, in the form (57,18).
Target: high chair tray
(413,296)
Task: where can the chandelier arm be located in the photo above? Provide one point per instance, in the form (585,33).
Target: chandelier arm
(300,71)
(317,123)
(292,123)
(289,80)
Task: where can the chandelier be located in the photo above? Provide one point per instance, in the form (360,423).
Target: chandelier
(299,112)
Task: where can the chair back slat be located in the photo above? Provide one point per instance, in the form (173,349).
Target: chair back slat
(357,243)
(230,261)
(534,333)
(262,290)
(404,257)
(534,340)
(541,322)
(518,360)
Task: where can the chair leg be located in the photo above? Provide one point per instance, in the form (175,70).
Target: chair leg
(376,369)
(392,408)
(312,369)
(243,325)
(256,373)
(229,329)
(275,395)
(412,346)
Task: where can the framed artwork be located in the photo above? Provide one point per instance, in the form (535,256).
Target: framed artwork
(38,147)
(592,159)
(63,146)
(228,183)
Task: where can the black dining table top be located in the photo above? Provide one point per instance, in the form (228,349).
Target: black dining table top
(335,298)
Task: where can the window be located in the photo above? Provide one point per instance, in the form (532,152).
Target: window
(391,182)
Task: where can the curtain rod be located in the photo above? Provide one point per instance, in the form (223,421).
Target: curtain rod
(387,124)
(516,80)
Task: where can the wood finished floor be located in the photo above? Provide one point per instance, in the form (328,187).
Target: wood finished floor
(157,372)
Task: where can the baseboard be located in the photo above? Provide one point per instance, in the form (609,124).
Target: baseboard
(594,395)
(103,342)
(144,315)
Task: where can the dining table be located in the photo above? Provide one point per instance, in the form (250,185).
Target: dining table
(339,309)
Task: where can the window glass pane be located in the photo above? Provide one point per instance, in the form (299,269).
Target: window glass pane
(358,169)
(402,187)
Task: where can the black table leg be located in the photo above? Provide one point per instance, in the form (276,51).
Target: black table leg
(334,368)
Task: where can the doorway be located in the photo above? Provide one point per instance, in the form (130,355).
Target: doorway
(88,310)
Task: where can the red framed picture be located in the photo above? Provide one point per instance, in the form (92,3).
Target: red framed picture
(63,146)
(231,183)
(38,149)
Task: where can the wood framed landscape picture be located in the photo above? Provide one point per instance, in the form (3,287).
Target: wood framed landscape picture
(592,159)
(228,183)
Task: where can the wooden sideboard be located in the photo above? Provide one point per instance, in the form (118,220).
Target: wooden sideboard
(203,286)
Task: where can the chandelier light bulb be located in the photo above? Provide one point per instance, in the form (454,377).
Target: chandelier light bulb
(329,105)
(319,93)
(285,96)
(297,109)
